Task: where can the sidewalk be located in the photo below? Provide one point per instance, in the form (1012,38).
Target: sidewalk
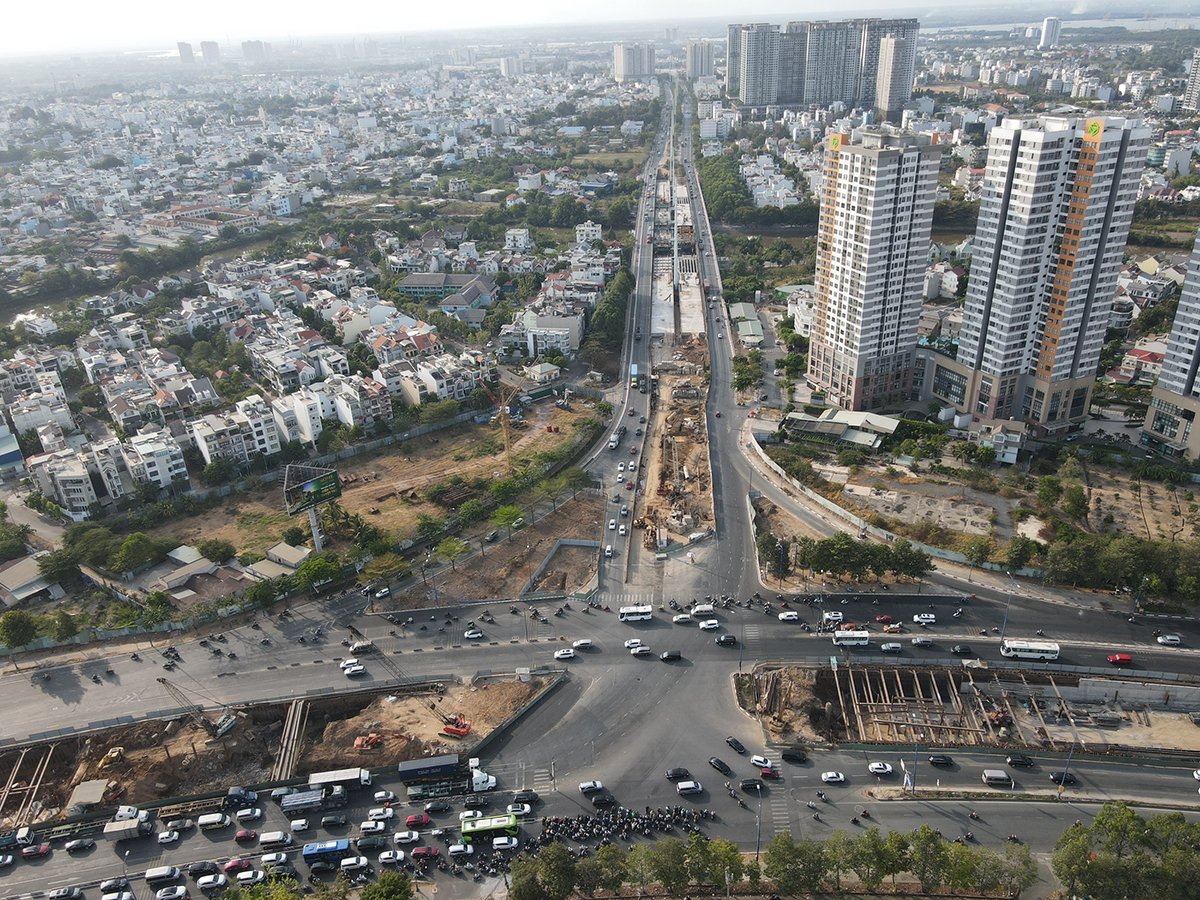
(964,575)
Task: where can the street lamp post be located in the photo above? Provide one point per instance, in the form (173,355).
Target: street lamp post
(758,827)
(1004,625)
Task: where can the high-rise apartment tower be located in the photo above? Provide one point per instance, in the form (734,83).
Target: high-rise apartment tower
(1171,420)
(877,200)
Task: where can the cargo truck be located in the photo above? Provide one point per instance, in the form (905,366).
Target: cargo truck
(461,780)
(127,829)
(239,798)
(347,778)
(431,768)
(18,837)
(314,799)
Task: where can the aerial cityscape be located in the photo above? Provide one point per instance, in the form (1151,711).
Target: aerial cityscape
(515,455)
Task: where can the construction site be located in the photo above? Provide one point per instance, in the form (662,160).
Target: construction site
(207,750)
(971,706)
(678,498)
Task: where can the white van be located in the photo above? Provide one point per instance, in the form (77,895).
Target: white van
(997,778)
(361,647)
(209,821)
(161,875)
(271,839)
(703,611)
(608,552)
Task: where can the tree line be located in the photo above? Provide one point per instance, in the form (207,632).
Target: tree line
(791,867)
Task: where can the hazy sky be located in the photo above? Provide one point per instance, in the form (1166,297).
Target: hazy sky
(79,25)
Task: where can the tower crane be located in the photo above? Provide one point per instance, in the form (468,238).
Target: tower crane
(507,393)
(195,711)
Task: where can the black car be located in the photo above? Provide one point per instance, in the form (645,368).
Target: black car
(940,759)
(721,766)
(1020,761)
(79,845)
(437,806)
(602,800)
(1062,778)
(726,640)
(794,755)
(678,774)
(333,821)
(322,865)
(475,803)
(751,785)
(738,746)
(202,868)
(961,650)
(371,842)
(530,797)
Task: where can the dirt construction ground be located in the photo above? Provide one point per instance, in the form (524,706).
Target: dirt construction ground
(255,521)
(409,727)
(507,565)
(677,457)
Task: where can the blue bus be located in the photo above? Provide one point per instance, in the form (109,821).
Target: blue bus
(633,376)
(332,851)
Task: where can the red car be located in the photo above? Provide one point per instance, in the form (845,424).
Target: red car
(885,619)
(1120,659)
(238,864)
(629,485)
(246,836)
(633,412)
(418,820)
(34,851)
(768,772)
(424,852)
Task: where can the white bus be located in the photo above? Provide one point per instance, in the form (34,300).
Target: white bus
(635,613)
(1029,649)
(851,638)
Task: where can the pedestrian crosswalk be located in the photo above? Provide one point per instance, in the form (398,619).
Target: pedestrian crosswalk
(750,634)
(543,780)
(781,814)
(645,598)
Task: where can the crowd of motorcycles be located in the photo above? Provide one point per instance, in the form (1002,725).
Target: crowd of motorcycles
(618,824)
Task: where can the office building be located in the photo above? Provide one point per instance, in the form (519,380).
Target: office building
(210,51)
(759,61)
(877,201)
(1056,204)
(1191,94)
(1051,32)
(819,63)
(698,61)
(186,56)
(255,51)
(632,62)
(1175,403)
(511,67)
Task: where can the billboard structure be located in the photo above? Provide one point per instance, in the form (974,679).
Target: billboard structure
(305,489)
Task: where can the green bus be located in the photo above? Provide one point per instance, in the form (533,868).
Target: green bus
(490,827)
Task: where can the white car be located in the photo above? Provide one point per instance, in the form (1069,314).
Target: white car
(789,616)
(832,618)
(832,777)
(354,863)
(505,843)
(251,876)
(460,850)
(640,650)
(468,814)
(681,619)
(925,619)
(299,824)
(472,634)
(1169,640)
(621,530)
(688,787)
(347,663)
(212,882)
(354,671)
(371,827)
(590,787)
(710,625)
(391,857)
(633,642)
(518,809)
(406,837)
(252,814)
(890,648)
(633,467)
(621,467)
(761,762)
(381,814)
(582,644)
(1196,774)
(273,859)
(385,797)
(878,768)
(168,837)
(382,592)
(612,523)
(564,653)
